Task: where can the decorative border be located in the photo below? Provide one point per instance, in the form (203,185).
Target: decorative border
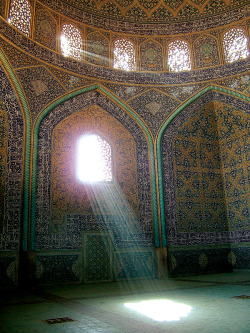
(114,75)
(146,28)
(27,141)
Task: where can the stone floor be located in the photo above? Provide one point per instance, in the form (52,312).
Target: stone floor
(208,300)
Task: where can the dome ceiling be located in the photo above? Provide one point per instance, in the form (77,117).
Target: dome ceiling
(154,11)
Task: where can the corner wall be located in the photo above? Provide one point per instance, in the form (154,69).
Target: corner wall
(197,196)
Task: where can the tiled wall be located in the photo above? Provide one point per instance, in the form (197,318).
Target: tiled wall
(203,205)
(207,140)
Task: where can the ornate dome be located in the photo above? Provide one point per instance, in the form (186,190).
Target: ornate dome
(150,13)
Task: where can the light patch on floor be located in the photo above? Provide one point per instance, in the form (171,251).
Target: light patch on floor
(161,309)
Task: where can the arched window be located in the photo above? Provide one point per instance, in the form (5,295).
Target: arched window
(179,56)
(20,15)
(235,45)
(94,159)
(124,55)
(71,42)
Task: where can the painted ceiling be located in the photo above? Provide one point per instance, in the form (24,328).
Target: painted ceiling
(155,11)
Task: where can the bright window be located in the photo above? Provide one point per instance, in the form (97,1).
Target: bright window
(71,42)
(20,15)
(124,55)
(179,56)
(235,45)
(94,159)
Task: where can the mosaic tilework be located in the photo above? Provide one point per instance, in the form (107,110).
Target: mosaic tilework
(151,56)
(98,262)
(43,238)
(97,249)
(8,269)
(101,73)
(198,175)
(145,16)
(153,106)
(235,146)
(70,81)
(18,59)
(125,92)
(189,238)
(135,263)
(239,256)
(182,92)
(237,82)
(9,239)
(40,88)
(68,195)
(3,157)
(45,29)
(122,236)
(63,267)
(200,260)
(97,48)
(206,52)
(2,8)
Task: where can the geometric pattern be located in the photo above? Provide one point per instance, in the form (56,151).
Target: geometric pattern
(97,249)
(3,158)
(151,11)
(68,80)
(40,87)
(196,167)
(45,29)
(97,48)
(153,106)
(206,51)
(199,259)
(64,267)
(151,56)
(234,132)
(11,174)
(234,125)
(198,174)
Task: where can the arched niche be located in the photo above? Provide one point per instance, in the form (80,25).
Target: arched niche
(45,29)
(138,193)
(151,56)
(206,51)
(69,195)
(97,49)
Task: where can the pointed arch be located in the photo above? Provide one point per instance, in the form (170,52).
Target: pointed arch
(97,49)
(151,55)
(124,54)
(235,45)
(179,55)
(46,29)
(159,140)
(94,159)
(131,113)
(71,41)
(20,15)
(206,51)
